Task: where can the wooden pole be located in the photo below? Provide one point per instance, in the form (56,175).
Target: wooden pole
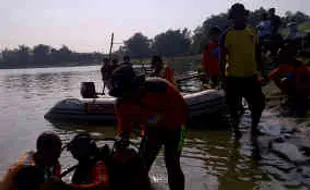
(111,46)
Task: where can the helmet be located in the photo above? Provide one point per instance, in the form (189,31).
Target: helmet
(123,80)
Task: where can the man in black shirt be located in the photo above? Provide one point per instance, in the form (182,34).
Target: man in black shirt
(275,21)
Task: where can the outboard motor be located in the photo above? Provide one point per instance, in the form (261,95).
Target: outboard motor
(88,90)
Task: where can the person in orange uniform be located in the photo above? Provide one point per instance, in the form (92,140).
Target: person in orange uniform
(161,70)
(33,169)
(292,76)
(210,62)
(160,109)
(91,172)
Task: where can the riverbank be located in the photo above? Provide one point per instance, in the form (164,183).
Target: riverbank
(71,64)
(180,64)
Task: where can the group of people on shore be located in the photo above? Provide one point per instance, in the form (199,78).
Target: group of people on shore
(156,105)
(234,59)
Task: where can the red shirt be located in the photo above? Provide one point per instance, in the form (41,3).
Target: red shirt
(168,74)
(300,72)
(210,62)
(159,105)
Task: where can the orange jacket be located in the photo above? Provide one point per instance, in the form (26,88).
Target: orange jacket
(169,74)
(166,73)
(99,176)
(159,105)
(299,72)
(26,160)
(210,62)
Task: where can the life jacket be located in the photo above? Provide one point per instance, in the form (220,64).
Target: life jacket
(166,73)
(210,62)
(92,175)
(158,105)
(24,174)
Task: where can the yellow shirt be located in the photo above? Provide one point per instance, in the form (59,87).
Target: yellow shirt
(241,52)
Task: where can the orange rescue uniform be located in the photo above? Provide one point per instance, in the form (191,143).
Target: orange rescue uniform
(25,161)
(160,105)
(98,178)
(210,62)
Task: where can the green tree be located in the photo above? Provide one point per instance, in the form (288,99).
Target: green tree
(138,46)
(172,42)
(41,54)
(23,54)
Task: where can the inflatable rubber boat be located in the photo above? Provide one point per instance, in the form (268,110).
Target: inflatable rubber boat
(101,109)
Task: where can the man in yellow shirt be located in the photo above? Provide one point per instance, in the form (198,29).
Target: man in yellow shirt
(240,66)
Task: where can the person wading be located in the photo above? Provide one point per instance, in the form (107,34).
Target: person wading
(161,70)
(104,73)
(160,109)
(241,66)
(210,63)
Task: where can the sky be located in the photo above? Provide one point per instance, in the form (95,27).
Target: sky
(86,25)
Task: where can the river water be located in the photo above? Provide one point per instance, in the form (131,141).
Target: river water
(211,158)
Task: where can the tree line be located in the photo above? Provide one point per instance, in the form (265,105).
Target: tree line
(171,43)
(183,42)
(43,55)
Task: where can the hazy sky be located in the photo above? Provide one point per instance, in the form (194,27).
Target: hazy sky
(86,25)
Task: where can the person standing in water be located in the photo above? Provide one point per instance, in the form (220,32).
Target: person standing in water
(104,72)
(161,70)
(210,63)
(241,66)
(160,109)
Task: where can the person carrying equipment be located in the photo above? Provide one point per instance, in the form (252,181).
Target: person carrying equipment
(33,169)
(160,109)
(161,70)
(211,55)
(241,66)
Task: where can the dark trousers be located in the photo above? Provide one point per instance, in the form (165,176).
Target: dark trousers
(250,89)
(172,139)
(215,80)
